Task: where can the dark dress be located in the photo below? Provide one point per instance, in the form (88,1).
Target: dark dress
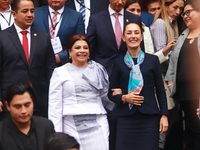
(138,128)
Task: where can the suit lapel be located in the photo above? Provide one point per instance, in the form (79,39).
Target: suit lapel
(34,40)
(14,132)
(111,32)
(45,16)
(64,21)
(15,39)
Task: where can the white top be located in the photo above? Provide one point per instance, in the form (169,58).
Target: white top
(18,29)
(8,16)
(120,17)
(87,11)
(60,11)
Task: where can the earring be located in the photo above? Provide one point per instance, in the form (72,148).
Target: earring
(70,57)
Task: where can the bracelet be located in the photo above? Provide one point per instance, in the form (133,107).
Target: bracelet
(170,85)
(124,99)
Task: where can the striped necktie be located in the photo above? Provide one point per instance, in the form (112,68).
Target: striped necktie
(82,9)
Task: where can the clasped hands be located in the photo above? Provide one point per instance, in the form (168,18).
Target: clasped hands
(134,98)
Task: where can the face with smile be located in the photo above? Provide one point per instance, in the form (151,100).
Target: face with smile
(153,7)
(117,5)
(134,8)
(56,4)
(21,109)
(132,36)
(79,53)
(174,9)
(191,17)
(4,5)
(24,16)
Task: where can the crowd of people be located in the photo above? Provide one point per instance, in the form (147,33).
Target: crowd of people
(99,74)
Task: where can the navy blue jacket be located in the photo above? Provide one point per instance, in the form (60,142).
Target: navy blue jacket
(153,81)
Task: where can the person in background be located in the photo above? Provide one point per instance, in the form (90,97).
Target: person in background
(84,101)
(153,6)
(164,32)
(6,17)
(87,8)
(138,75)
(21,130)
(60,22)
(61,141)
(184,69)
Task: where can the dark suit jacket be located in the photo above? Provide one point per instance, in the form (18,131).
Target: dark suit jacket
(95,5)
(72,22)
(100,32)
(152,77)
(9,137)
(147,18)
(14,66)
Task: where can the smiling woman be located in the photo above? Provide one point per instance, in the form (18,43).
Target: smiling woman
(78,95)
(138,74)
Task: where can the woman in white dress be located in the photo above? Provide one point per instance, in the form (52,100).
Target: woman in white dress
(78,95)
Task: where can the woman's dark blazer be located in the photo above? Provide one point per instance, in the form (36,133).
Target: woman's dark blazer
(153,81)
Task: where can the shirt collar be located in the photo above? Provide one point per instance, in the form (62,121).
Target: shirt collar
(170,19)
(111,11)
(60,11)
(8,11)
(18,29)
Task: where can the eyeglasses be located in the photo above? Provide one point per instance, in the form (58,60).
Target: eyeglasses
(187,13)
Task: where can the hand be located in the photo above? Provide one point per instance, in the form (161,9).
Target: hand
(116,91)
(170,85)
(169,47)
(57,58)
(163,124)
(1,105)
(198,112)
(134,98)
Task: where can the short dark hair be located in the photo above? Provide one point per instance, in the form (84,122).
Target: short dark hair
(149,2)
(194,3)
(18,89)
(15,4)
(129,2)
(73,39)
(60,141)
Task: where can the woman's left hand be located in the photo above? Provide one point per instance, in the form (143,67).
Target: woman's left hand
(116,91)
(163,124)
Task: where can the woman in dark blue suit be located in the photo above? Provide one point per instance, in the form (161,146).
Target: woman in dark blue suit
(139,116)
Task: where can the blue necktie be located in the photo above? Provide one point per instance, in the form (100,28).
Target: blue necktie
(82,9)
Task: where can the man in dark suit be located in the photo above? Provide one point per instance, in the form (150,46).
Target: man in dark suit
(27,58)
(68,22)
(21,130)
(104,46)
(91,7)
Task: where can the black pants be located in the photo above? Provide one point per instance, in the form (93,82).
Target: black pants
(192,121)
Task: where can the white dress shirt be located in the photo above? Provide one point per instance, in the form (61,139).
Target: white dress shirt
(59,19)
(18,29)
(87,11)
(7,20)
(120,17)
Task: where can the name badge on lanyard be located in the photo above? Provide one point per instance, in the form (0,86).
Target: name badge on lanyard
(56,44)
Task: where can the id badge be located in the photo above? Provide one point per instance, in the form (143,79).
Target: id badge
(56,44)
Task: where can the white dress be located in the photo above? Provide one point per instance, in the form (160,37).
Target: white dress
(77,97)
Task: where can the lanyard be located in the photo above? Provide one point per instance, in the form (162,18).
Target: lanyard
(6,19)
(56,22)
